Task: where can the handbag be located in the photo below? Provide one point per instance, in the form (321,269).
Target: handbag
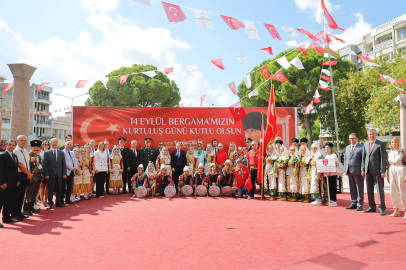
(340,169)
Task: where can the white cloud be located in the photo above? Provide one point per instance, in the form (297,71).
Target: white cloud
(100,5)
(224,100)
(353,34)
(311,6)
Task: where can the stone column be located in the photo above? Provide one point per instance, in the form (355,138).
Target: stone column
(20,104)
(402,99)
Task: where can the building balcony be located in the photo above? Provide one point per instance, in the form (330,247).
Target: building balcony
(43,122)
(43,99)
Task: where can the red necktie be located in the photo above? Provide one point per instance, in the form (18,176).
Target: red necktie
(135,152)
(352,149)
(370,146)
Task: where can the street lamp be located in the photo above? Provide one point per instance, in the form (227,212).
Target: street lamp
(71,117)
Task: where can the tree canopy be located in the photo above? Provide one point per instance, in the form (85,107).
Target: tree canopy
(138,91)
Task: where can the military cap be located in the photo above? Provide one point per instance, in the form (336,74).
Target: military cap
(121,139)
(148,139)
(35,143)
(248,140)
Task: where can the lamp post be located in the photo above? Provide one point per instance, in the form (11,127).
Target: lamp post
(71,116)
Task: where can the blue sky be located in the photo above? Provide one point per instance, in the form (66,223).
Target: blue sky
(70,40)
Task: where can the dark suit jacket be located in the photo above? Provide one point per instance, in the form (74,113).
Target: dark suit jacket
(156,154)
(180,162)
(374,161)
(52,167)
(8,169)
(352,162)
(124,154)
(134,162)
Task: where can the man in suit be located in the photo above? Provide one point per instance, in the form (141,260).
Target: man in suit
(215,146)
(373,168)
(178,162)
(134,158)
(159,150)
(54,171)
(352,167)
(24,175)
(148,153)
(8,180)
(108,152)
(71,167)
(68,138)
(124,155)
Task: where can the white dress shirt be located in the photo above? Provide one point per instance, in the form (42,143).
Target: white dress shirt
(71,161)
(23,157)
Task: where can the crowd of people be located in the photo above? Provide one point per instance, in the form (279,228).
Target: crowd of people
(289,174)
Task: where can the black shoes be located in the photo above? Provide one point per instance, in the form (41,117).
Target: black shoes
(10,220)
(71,202)
(352,206)
(382,212)
(370,210)
(60,205)
(32,209)
(359,208)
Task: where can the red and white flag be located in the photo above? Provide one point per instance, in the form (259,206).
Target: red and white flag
(316,47)
(8,86)
(326,78)
(268,49)
(218,63)
(173,12)
(327,63)
(237,111)
(202,98)
(31,114)
(9,112)
(181,105)
(168,70)
(233,23)
(123,78)
(325,48)
(280,77)
(332,23)
(272,125)
(233,88)
(308,34)
(272,30)
(338,39)
(302,48)
(80,84)
(399,81)
(316,97)
(366,58)
(4,111)
(321,87)
(265,72)
(42,85)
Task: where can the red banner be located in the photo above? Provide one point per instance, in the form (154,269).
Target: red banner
(171,125)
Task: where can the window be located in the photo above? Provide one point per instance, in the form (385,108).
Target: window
(389,55)
(6,121)
(402,33)
(403,51)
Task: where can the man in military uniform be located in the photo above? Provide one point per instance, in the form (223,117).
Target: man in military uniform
(123,151)
(148,153)
(248,142)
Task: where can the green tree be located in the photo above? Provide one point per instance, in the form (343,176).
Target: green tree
(315,131)
(138,91)
(300,89)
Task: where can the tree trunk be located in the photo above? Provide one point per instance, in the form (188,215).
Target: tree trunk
(308,130)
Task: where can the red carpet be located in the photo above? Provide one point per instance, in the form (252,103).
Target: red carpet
(118,232)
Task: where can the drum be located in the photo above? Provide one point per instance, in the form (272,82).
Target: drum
(141,192)
(214,191)
(186,190)
(170,191)
(201,190)
(227,191)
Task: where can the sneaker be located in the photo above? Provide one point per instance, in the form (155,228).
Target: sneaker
(317,202)
(332,203)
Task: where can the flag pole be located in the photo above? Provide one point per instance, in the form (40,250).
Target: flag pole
(262,160)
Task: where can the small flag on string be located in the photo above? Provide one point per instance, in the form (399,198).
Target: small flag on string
(326,56)
(42,85)
(194,69)
(80,84)
(218,63)
(325,71)
(237,111)
(64,84)
(323,84)
(103,82)
(292,43)
(308,34)
(400,90)
(349,51)
(371,64)
(242,58)
(321,87)
(9,112)
(233,88)
(253,93)
(283,61)
(251,30)
(366,58)
(8,86)
(173,12)
(31,114)
(168,70)
(317,97)
(326,78)
(302,48)
(247,80)
(316,47)
(181,105)
(289,31)
(49,113)
(297,63)
(146,2)
(326,63)
(151,73)
(399,81)
(215,92)
(203,19)
(314,33)
(272,30)
(123,78)
(4,111)
(265,72)
(332,23)
(338,39)
(202,98)
(267,49)
(389,79)
(280,77)
(233,23)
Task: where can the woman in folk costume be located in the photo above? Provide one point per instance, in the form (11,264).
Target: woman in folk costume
(140,179)
(212,176)
(90,156)
(210,157)
(116,170)
(185,179)
(200,154)
(164,158)
(85,167)
(316,179)
(281,164)
(303,175)
(151,173)
(226,178)
(191,159)
(270,176)
(292,174)
(232,154)
(162,181)
(77,179)
(199,177)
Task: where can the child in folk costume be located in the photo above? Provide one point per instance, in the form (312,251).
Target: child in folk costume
(226,178)
(199,177)
(292,174)
(316,179)
(162,181)
(77,179)
(210,157)
(140,179)
(116,170)
(212,177)
(232,154)
(85,167)
(151,173)
(191,159)
(185,179)
(242,176)
(271,175)
(33,185)
(281,164)
(303,175)
(164,158)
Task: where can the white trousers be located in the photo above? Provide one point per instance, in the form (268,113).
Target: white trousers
(314,182)
(272,181)
(397,185)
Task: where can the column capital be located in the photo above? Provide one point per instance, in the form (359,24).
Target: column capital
(22,70)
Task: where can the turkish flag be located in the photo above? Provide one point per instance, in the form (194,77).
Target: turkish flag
(302,48)
(308,34)
(233,88)
(339,39)
(326,63)
(321,87)
(233,23)
(316,47)
(272,30)
(237,111)
(31,114)
(123,78)
(168,70)
(267,49)
(366,58)
(42,85)
(248,184)
(202,98)
(399,81)
(330,19)
(316,97)
(272,125)
(8,86)
(181,105)
(173,12)
(265,72)
(80,84)
(218,63)
(326,78)
(280,77)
